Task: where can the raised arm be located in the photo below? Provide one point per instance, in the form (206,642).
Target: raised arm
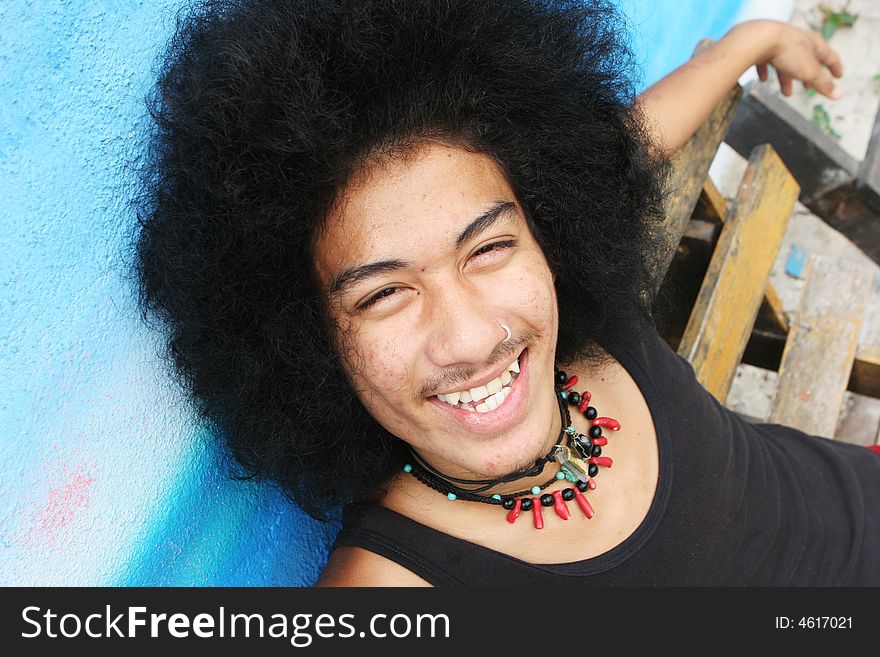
(676,105)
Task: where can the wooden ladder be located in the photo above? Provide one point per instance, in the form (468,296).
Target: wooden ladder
(719,257)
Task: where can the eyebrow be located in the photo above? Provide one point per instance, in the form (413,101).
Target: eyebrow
(357,273)
(485,220)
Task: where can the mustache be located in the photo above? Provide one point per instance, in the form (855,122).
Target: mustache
(502,353)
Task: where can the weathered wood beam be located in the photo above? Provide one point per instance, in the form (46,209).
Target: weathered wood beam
(690,168)
(865,377)
(833,185)
(733,288)
(765,351)
(713,206)
(821,345)
(771,312)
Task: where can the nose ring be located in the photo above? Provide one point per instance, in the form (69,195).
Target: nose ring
(504,326)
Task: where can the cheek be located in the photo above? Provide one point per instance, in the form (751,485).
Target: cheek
(534,294)
(380,368)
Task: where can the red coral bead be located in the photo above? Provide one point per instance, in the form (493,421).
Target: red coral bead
(536,513)
(572,381)
(601,441)
(559,505)
(585,401)
(583,504)
(513,514)
(609,423)
(604,461)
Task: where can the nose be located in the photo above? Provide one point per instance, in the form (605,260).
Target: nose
(464,328)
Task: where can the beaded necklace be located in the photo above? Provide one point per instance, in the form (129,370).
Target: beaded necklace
(579,457)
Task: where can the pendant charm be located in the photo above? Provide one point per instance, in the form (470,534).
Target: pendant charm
(568,460)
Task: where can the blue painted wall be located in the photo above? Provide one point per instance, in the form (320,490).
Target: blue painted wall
(105,479)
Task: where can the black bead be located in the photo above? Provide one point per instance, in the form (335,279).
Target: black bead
(591,413)
(508,503)
(561,377)
(574,398)
(567,494)
(547,499)
(593,470)
(526,504)
(582,486)
(596,451)
(595,432)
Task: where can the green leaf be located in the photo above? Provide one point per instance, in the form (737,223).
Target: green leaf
(834,19)
(829,26)
(822,121)
(847,19)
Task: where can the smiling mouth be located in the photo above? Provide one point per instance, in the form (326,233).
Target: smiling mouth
(484,398)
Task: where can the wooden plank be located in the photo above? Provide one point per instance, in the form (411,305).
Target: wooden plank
(816,161)
(711,205)
(859,421)
(865,378)
(833,184)
(765,350)
(690,168)
(712,208)
(821,345)
(728,302)
(771,311)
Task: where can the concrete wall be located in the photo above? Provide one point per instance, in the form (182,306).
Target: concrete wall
(104,477)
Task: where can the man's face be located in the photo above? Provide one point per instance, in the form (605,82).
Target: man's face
(423,259)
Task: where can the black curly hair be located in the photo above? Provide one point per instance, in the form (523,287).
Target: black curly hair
(264,109)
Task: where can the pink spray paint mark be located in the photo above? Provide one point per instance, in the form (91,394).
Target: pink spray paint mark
(64,504)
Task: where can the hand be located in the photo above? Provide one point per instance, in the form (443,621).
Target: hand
(797,54)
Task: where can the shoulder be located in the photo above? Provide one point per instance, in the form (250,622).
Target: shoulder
(354,566)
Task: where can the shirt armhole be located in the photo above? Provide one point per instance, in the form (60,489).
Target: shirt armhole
(351,566)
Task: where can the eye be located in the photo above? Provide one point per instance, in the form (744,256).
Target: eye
(381,294)
(494,247)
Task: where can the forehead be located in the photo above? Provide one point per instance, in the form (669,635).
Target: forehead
(406,203)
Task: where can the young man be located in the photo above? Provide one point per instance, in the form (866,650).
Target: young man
(404,255)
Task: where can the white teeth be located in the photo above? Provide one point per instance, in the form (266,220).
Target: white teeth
(484,398)
(480,392)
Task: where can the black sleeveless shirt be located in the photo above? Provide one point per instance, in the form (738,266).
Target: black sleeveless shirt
(737,504)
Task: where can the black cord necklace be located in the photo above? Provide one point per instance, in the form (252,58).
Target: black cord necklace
(578,455)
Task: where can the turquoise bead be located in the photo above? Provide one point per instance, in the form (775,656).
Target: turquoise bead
(451,496)
(407,468)
(496,496)
(560,475)
(564,394)
(536,490)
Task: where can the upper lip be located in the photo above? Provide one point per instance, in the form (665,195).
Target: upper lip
(476,383)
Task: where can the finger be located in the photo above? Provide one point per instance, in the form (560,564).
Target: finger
(829,57)
(832,61)
(784,83)
(825,86)
(762,72)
